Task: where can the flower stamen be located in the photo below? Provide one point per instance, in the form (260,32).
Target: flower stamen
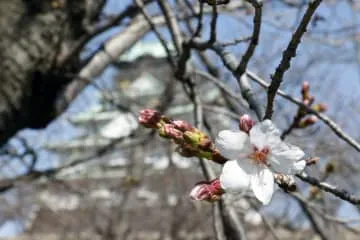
(260,156)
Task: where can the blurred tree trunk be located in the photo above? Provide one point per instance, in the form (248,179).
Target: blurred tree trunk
(35,36)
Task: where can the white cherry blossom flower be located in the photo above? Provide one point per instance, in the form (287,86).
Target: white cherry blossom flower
(254,157)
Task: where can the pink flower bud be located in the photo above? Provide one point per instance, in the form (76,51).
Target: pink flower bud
(149,118)
(208,191)
(182,125)
(171,132)
(308,121)
(305,86)
(311,120)
(320,107)
(305,91)
(246,123)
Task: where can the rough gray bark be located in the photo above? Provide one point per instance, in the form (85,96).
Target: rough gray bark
(35,35)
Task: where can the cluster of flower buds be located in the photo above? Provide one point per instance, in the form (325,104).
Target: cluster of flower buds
(303,118)
(191,141)
(210,191)
(149,118)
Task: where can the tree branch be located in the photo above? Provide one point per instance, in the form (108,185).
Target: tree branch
(288,54)
(330,123)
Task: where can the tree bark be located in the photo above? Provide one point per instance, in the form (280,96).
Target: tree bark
(35,34)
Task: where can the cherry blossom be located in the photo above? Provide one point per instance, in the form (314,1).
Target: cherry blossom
(254,157)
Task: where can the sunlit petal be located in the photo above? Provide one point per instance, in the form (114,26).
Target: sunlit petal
(262,184)
(233,145)
(284,158)
(265,134)
(235,175)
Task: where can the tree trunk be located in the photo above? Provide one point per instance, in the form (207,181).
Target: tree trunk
(34,35)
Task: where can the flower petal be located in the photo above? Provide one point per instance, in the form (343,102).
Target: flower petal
(285,158)
(262,184)
(265,134)
(233,145)
(235,175)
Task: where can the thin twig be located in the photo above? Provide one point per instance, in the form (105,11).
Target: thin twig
(213,24)
(230,62)
(200,17)
(219,83)
(254,39)
(152,25)
(113,48)
(330,123)
(266,222)
(130,12)
(234,41)
(341,193)
(172,24)
(31,176)
(204,164)
(288,54)
(314,223)
(326,216)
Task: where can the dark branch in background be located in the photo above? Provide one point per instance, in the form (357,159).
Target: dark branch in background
(322,213)
(230,62)
(234,42)
(33,175)
(264,219)
(110,51)
(172,23)
(162,40)
(312,220)
(219,84)
(254,39)
(215,2)
(288,54)
(219,221)
(195,43)
(199,17)
(232,224)
(228,221)
(292,126)
(130,12)
(213,24)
